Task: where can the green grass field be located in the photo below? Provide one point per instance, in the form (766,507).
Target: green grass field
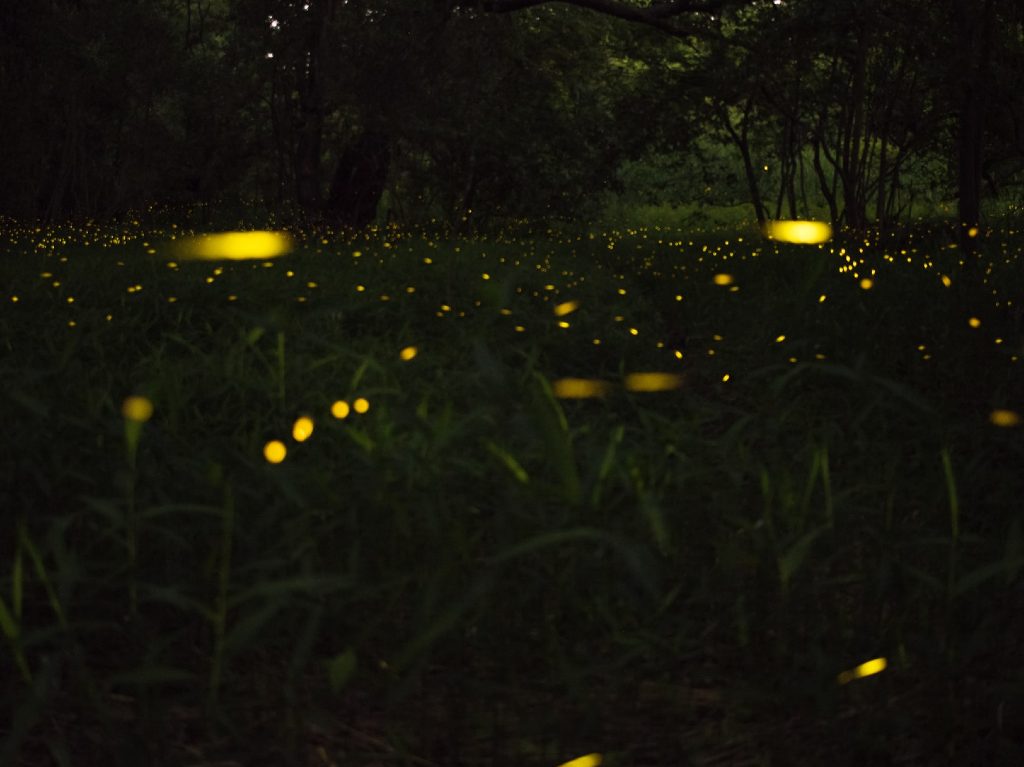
(482,568)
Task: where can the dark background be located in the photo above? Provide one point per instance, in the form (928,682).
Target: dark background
(477,112)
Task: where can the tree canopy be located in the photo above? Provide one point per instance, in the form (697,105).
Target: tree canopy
(470,112)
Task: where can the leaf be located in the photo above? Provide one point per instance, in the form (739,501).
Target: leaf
(656,520)
(509,462)
(555,434)
(287,587)
(175,599)
(441,625)
(8,625)
(250,626)
(974,579)
(340,669)
(794,557)
(25,542)
(361,438)
(254,335)
(17,583)
(597,482)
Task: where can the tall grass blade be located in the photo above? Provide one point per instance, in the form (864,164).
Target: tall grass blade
(556,439)
(25,542)
(12,633)
(510,463)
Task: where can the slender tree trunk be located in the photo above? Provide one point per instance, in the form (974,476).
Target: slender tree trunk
(852,145)
(881,216)
(803,183)
(359,180)
(974,27)
(311,113)
(827,191)
(742,143)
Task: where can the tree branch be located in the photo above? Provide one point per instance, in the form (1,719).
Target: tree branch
(657,15)
(617,8)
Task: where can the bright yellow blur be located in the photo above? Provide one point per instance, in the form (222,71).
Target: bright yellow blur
(566,308)
(275,451)
(868,668)
(653,381)
(1004,418)
(236,246)
(723,279)
(361,405)
(303,429)
(340,409)
(800,232)
(137,409)
(590,760)
(407,353)
(579,388)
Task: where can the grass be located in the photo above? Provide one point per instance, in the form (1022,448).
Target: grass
(476,570)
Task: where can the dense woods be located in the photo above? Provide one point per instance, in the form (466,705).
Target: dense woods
(474,111)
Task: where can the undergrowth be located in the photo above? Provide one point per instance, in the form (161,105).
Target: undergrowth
(476,570)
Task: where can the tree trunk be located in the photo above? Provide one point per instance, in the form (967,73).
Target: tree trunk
(359,180)
(853,148)
(827,191)
(975,39)
(311,113)
(742,143)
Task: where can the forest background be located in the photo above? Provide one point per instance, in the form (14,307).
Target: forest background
(353,112)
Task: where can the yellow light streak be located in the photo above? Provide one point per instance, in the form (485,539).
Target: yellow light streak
(236,246)
(653,381)
(869,668)
(579,388)
(800,232)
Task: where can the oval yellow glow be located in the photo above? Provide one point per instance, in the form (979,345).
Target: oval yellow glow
(568,307)
(275,451)
(578,388)
(800,232)
(302,429)
(1004,418)
(868,668)
(653,381)
(137,409)
(237,246)
(340,409)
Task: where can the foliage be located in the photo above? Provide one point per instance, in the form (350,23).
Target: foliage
(369,111)
(474,570)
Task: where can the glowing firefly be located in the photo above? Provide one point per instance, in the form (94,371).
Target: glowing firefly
(801,232)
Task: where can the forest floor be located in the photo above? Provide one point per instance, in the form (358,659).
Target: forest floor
(651,496)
